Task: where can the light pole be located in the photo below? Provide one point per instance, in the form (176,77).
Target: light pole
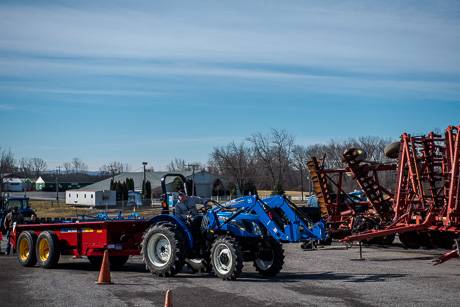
(58,170)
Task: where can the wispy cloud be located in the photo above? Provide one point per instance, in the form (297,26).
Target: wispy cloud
(368,38)
(6,107)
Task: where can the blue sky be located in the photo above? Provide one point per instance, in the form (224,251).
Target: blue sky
(137,81)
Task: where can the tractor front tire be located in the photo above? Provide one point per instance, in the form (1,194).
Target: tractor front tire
(270,260)
(163,250)
(226,258)
(26,248)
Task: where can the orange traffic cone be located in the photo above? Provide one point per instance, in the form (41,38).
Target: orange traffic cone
(168,299)
(104,273)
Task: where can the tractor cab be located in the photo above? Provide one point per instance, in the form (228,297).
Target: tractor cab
(169,199)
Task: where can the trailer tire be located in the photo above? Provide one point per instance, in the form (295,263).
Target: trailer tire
(47,249)
(26,248)
(163,250)
(226,258)
(271,263)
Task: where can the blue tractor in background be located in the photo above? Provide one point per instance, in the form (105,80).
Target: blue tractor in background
(21,202)
(223,236)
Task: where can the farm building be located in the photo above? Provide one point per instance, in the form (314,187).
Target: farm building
(47,182)
(205,182)
(14,185)
(90,198)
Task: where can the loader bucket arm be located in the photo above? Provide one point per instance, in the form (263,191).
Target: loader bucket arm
(295,226)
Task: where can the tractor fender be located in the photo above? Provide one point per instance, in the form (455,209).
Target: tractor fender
(167,218)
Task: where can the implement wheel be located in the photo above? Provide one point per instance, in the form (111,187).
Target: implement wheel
(163,250)
(392,150)
(47,250)
(226,258)
(270,259)
(26,248)
(410,239)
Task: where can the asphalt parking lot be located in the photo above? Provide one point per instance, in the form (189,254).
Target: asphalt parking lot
(330,276)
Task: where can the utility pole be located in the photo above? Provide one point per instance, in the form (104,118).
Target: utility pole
(193,176)
(143,182)
(58,171)
(301,180)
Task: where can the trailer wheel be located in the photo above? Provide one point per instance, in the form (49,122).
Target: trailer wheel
(47,250)
(226,258)
(163,251)
(26,248)
(270,260)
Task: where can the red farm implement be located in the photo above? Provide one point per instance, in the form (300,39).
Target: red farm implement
(350,212)
(424,209)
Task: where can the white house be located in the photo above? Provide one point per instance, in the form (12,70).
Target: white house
(91,198)
(14,185)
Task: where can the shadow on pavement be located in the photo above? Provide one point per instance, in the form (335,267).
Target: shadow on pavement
(296,277)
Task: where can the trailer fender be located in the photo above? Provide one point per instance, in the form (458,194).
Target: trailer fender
(162,218)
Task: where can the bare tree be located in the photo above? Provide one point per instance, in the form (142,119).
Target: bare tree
(68,167)
(114,167)
(25,167)
(180,165)
(177,165)
(76,166)
(7,165)
(38,166)
(300,157)
(274,152)
(236,162)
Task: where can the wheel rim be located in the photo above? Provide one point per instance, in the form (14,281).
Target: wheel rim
(265,264)
(24,250)
(159,250)
(43,249)
(222,259)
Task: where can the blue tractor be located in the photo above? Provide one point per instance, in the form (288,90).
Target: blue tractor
(21,202)
(223,236)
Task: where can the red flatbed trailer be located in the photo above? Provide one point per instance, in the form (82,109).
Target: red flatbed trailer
(44,243)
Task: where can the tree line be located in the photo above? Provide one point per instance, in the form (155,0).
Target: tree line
(274,162)
(262,161)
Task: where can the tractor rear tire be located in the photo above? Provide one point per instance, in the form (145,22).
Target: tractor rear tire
(47,250)
(163,250)
(226,258)
(271,259)
(26,248)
